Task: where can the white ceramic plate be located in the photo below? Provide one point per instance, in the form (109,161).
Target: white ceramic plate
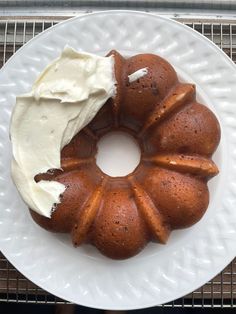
(160,273)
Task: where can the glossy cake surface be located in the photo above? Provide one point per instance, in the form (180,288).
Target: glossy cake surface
(168,190)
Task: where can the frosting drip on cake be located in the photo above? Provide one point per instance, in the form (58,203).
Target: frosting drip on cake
(137,75)
(63,100)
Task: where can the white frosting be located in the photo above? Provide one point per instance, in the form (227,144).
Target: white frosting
(137,75)
(63,100)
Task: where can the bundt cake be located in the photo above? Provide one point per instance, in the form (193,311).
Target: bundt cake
(168,189)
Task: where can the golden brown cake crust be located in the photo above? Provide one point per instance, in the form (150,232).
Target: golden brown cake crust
(168,189)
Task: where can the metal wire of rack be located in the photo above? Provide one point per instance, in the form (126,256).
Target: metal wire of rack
(14,287)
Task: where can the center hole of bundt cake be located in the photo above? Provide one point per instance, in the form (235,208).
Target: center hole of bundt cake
(118,154)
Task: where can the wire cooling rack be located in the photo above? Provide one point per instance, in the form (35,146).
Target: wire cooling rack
(14,287)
